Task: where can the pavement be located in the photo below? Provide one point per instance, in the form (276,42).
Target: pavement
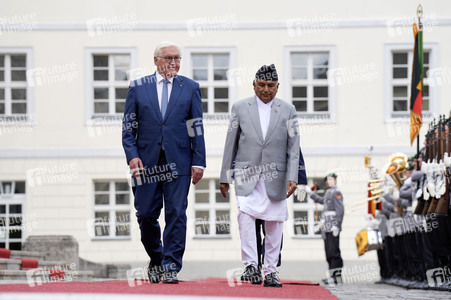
(372,291)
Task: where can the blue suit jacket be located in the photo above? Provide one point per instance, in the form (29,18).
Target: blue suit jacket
(181,130)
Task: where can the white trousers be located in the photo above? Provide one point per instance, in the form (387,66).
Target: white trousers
(273,239)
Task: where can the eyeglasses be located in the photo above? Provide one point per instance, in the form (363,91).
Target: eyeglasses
(168,59)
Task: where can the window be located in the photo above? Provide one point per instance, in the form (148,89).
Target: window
(108,82)
(111,210)
(401,81)
(211,209)
(399,76)
(210,68)
(12,223)
(14,90)
(307,214)
(309,89)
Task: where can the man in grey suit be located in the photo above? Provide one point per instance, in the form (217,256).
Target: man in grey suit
(261,155)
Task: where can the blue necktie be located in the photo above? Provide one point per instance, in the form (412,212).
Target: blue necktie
(164,97)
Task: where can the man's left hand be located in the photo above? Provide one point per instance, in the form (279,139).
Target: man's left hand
(196,174)
(291,187)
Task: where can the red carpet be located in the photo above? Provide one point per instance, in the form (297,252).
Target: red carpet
(206,287)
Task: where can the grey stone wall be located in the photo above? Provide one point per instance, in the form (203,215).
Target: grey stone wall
(54,247)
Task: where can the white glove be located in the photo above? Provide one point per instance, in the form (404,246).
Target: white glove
(301,192)
(447,159)
(419,193)
(431,189)
(441,181)
(308,190)
(396,195)
(335,230)
(426,193)
(441,189)
(431,167)
(375,223)
(317,228)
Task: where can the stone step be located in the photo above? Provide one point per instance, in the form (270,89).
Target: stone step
(39,276)
(16,264)
(27,254)
(54,265)
(10,264)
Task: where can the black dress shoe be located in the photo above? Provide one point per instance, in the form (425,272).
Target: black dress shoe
(170,277)
(252,274)
(272,280)
(154,273)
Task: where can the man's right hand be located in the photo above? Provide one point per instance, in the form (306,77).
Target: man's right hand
(224,187)
(135,165)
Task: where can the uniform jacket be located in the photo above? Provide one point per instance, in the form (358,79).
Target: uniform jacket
(333,202)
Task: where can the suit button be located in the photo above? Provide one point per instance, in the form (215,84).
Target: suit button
(163,126)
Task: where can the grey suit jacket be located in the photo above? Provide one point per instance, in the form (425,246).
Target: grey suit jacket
(246,154)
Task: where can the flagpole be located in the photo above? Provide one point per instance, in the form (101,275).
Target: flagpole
(420,54)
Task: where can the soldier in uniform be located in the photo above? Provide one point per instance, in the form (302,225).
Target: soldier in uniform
(417,184)
(333,217)
(410,256)
(391,247)
(384,253)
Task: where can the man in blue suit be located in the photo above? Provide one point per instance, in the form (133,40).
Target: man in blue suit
(164,145)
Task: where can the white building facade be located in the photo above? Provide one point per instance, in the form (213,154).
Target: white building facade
(64,75)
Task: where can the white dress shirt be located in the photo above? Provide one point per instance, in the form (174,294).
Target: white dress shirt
(257,204)
(160,87)
(264,112)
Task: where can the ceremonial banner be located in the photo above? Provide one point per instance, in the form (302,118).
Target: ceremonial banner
(416,95)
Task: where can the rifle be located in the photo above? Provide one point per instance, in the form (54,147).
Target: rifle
(440,151)
(420,200)
(426,162)
(443,203)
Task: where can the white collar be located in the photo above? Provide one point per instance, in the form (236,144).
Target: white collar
(160,78)
(263,104)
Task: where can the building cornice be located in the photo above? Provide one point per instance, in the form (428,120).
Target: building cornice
(320,150)
(305,24)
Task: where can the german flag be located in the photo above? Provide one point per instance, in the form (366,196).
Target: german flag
(416,95)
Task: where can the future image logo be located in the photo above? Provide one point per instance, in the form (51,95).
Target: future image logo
(234,277)
(136,276)
(100,26)
(315,24)
(195,127)
(210,24)
(438,276)
(439,76)
(52,74)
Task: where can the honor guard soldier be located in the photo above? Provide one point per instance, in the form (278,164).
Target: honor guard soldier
(330,230)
